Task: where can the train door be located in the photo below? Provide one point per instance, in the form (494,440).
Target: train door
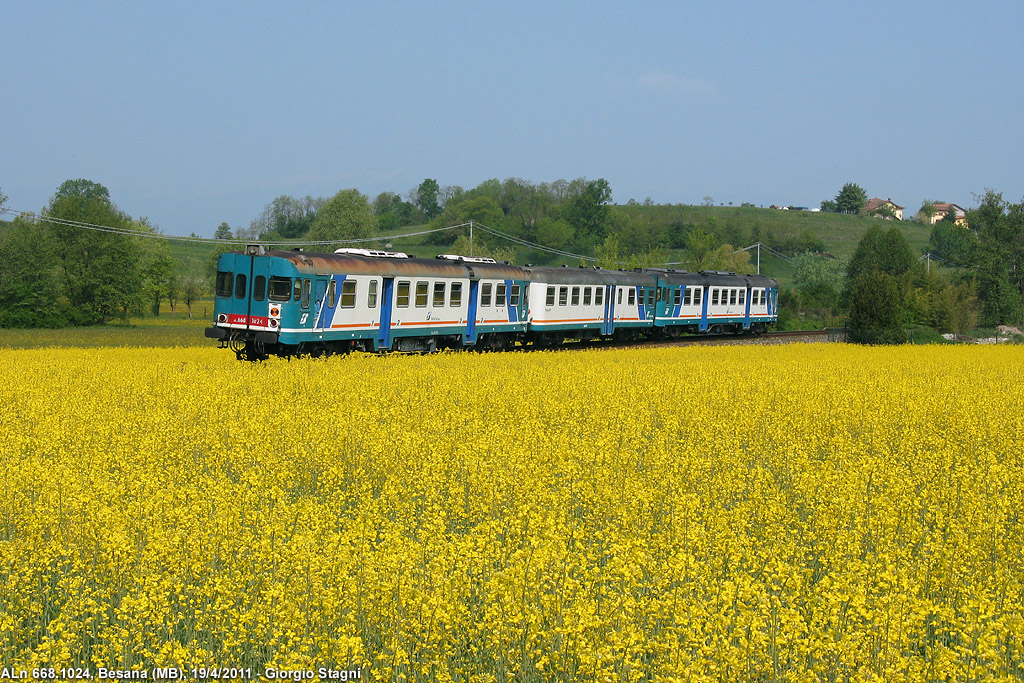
(258,307)
(746,308)
(239,270)
(470,335)
(387,299)
(608,325)
(705,295)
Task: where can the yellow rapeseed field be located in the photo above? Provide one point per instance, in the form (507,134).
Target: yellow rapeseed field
(803,512)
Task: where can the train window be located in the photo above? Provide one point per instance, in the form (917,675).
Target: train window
(514,297)
(688,297)
(280,289)
(632,297)
(650,297)
(698,296)
(421,294)
(575,299)
(259,288)
(371,295)
(224,281)
(620,297)
(297,289)
(332,290)
(438,300)
(305,292)
(714,296)
(599,296)
(732,297)
(563,296)
(677,298)
(587,296)
(485,294)
(348,293)
(240,286)
(402,297)
(455,298)
(551,297)
(743,297)
(499,295)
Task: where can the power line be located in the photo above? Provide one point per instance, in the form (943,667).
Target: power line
(208,240)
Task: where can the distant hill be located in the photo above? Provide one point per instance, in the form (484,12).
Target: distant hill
(839,233)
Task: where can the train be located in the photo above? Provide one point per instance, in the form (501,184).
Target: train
(292,302)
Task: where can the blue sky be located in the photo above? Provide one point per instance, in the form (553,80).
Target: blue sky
(193,113)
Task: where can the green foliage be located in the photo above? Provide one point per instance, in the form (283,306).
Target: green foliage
(427,198)
(100,270)
(346,215)
(885,251)
(876,312)
(392,211)
(286,217)
(851,199)
(829,206)
(818,280)
(588,210)
(30,289)
(998,258)
(952,243)
(223,232)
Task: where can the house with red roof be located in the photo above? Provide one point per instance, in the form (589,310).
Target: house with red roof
(884,208)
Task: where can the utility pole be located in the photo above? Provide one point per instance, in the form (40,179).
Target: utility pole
(470,236)
(758,258)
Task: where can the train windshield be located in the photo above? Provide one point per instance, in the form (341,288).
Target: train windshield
(280,288)
(224,282)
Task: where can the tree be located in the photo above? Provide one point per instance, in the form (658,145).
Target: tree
(30,289)
(927,210)
(998,257)
(876,312)
(427,198)
(223,232)
(346,215)
(588,210)
(285,217)
(818,279)
(392,211)
(828,206)
(851,199)
(886,251)
(100,269)
(952,243)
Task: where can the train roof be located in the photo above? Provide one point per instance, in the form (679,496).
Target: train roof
(589,276)
(354,264)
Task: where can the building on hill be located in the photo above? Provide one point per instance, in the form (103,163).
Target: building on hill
(943,210)
(884,208)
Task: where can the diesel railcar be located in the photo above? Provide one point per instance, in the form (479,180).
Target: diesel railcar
(294,302)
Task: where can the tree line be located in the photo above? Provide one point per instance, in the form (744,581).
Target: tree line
(57,274)
(885,287)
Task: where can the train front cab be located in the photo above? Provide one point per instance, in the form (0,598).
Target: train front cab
(243,313)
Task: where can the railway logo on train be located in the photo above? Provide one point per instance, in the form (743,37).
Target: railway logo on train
(288,303)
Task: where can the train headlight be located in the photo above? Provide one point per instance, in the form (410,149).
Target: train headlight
(273,323)
(222,318)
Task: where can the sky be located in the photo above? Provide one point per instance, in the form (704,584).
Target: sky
(194,113)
